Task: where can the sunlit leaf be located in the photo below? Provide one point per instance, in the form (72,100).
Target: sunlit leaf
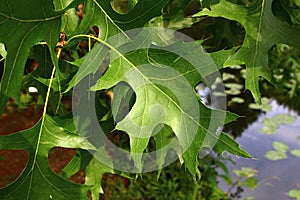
(157,94)
(264,106)
(275,155)
(296,152)
(234,86)
(294,194)
(237,100)
(284,119)
(270,126)
(279,153)
(94,173)
(2,50)
(279,146)
(227,76)
(245,172)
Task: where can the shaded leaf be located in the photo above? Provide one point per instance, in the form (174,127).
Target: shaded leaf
(70,19)
(23,24)
(163,137)
(101,14)
(37,180)
(259,23)
(121,103)
(138,16)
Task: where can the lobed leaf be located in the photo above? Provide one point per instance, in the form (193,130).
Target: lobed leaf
(164,86)
(109,22)
(22,25)
(37,180)
(260,25)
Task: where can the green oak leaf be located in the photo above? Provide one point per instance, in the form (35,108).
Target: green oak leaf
(72,167)
(164,137)
(121,102)
(138,16)
(37,181)
(70,19)
(174,16)
(94,172)
(163,134)
(164,86)
(263,30)
(22,25)
(101,14)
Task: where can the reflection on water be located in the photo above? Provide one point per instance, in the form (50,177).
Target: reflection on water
(275,178)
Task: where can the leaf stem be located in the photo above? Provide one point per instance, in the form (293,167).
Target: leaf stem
(45,107)
(91,37)
(195,191)
(42,122)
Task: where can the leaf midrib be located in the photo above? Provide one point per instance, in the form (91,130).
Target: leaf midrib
(29,20)
(160,91)
(259,35)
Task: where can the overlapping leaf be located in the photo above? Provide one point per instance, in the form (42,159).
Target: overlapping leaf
(163,82)
(101,14)
(138,16)
(109,23)
(263,30)
(37,180)
(22,25)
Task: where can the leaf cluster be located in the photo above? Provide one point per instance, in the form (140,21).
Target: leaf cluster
(63,47)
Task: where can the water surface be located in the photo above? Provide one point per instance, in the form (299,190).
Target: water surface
(275,178)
